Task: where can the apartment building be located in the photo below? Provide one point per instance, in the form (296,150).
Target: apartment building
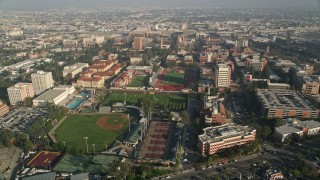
(280,103)
(223,76)
(19,92)
(218,138)
(42,81)
(4,109)
(74,70)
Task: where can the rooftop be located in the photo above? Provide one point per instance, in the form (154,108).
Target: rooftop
(283,99)
(295,125)
(49,95)
(139,68)
(219,133)
(71,68)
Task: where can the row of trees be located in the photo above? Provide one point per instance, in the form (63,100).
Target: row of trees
(9,139)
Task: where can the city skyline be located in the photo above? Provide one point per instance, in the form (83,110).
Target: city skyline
(48,4)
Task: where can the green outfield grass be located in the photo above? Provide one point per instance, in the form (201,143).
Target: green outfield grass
(170,100)
(173,77)
(76,127)
(138,81)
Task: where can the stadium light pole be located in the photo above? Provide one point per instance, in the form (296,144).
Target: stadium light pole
(94,148)
(49,165)
(128,116)
(86,138)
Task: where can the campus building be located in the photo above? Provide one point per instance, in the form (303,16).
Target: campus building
(74,70)
(137,43)
(280,103)
(214,110)
(223,76)
(216,139)
(19,92)
(295,126)
(57,96)
(173,59)
(88,82)
(42,81)
(257,65)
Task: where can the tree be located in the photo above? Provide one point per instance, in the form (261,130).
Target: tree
(28,102)
(197,121)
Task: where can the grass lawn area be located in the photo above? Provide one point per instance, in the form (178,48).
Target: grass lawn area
(94,164)
(132,98)
(76,127)
(173,77)
(138,81)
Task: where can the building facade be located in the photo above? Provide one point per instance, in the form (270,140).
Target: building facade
(137,43)
(42,81)
(74,69)
(19,92)
(4,109)
(295,126)
(55,96)
(216,139)
(280,103)
(223,76)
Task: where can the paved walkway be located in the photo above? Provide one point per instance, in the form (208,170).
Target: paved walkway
(51,132)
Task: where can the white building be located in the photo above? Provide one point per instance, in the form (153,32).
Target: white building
(56,96)
(134,60)
(42,81)
(302,128)
(223,75)
(74,69)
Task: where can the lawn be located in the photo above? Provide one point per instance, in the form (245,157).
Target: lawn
(76,127)
(170,100)
(173,78)
(139,81)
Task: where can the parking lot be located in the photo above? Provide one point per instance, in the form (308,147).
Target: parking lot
(20,119)
(234,105)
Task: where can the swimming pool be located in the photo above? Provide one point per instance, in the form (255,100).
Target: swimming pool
(75,104)
(85,94)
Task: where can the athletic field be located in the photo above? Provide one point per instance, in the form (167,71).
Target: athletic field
(138,81)
(173,77)
(172,101)
(100,130)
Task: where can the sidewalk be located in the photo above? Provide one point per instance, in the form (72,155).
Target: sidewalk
(51,132)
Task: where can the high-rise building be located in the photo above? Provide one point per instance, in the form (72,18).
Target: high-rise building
(19,92)
(42,81)
(223,75)
(137,43)
(4,109)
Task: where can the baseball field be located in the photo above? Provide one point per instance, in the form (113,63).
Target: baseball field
(100,130)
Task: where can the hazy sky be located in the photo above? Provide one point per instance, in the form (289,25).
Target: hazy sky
(35,4)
